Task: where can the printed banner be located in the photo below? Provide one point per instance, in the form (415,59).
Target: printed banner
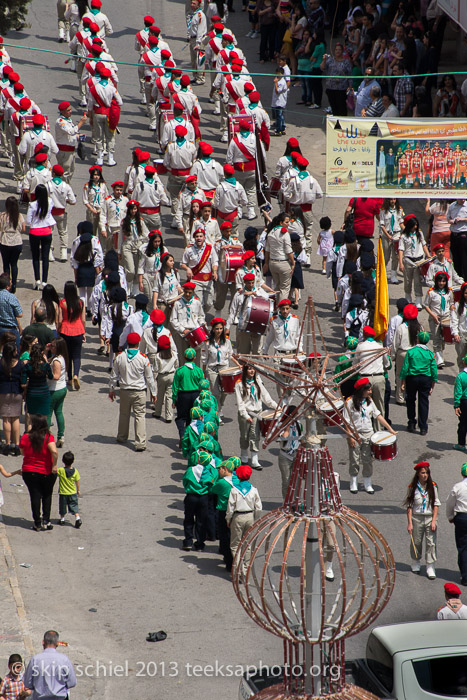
(398,158)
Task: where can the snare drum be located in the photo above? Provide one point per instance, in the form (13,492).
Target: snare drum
(445,329)
(332,415)
(265,421)
(196,336)
(384,445)
(160,167)
(230,260)
(424,265)
(290,364)
(255,314)
(228,378)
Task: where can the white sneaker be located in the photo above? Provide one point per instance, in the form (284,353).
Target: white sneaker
(83,102)
(367,485)
(143,100)
(174,224)
(415,568)
(255,35)
(329,572)
(251,213)
(67,37)
(353,484)
(51,255)
(63,254)
(217,109)
(244,457)
(439,359)
(418,303)
(19,187)
(110,160)
(328,110)
(430,572)
(224,137)
(37,284)
(100,158)
(250,34)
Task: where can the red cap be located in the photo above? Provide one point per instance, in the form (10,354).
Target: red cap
(225,225)
(132,203)
(452,590)
(244,125)
(154,232)
(219,27)
(105,72)
(180,131)
(95,167)
(153,40)
(40,157)
(205,204)
(7,70)
(25,103)
(218,319)
(157,316)
(155,31)
(189,285)
(38,120)
(99,66)
(227,37)
(148,20)
(293,142)
(369,331)
(133,338)
(438,246)
(244,471)
(63,105)
(410,312)
(118,183)
(360,383)
(94,27)
(150,170)
(421,465)
(248,87)
(185,80)
(205,148)
(143,155)
(254,96)
(169,64)
(13,77)
(192,178)
(175,72)
(441,272)
(87,21)
(96,3)
(236,68)
(18,87)
(284,302)
(57,170)
(38,147)
(229,170)
(249,277)
(163,342)
(165,54)
(248,254)
(97,48)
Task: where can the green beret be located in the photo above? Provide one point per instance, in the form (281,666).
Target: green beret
(204,394)
(423,337)
(196,413)
(464,469)
(227,464)
(204,458)
(205,405)
(190,354)
(204,384)
(209,428)
(351,342)
(236,461)
(207,445)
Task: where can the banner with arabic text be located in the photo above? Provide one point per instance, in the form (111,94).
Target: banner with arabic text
(396,158)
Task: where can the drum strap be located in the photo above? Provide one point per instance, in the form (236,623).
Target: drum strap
(203,260)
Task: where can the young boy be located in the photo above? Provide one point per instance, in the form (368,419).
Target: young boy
(13,685)
(69,490)
(279,101)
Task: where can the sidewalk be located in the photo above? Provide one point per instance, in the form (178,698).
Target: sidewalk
(15,636)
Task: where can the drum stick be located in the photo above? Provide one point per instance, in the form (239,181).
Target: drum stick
(413,544)
(381,440)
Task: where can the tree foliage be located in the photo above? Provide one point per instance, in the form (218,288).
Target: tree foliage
(12,14)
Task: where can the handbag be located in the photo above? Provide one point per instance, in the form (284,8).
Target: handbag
(349,222)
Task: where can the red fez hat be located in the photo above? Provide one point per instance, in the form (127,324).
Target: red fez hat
(369,331)
(244,471)
(163,342)
(154,30)
(94,27)
(105,72)
(157,316)
(153,40)
(189,285)
(96,3)
(360,383)
(18,87)
(248,87)
(63,105)
(284,302)
(180,131)
(150,170)
(293,142)
(219,27)
(236,68)
(165,54)
(25,103)
(13,77)
(133,338)
(57,170)
(148,20)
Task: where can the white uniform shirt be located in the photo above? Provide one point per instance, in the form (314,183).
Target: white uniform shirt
(412,247)
(421,502)
(252,404)
(102,21)
(168,289)
(240,503)
(66,133)
(132,373)
(235,155)
(453,610)
(36,176)
(185,199)
(114,211)
(237,307)
(394,323)
(433,299)
(134,324)
(197,26)
(179,157)
(228,197)
(300,190)
(445,266)
(363,353)
(187,315)
(61,193)
(210,227)
(216,357)
(149,346)
(278,244)
(209,174)
(31,138)
(168,133)
(192,255)
(362,419)
(283,334)
(459,323)
(457,499)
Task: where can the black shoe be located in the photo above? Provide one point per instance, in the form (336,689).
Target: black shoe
(6,450)
(258,469)
(463,581)
(187,547)
(36,528)
(12,450)
(199,547)
(49,526)
(78,523)
(60,522)
(411,428)
(423,432)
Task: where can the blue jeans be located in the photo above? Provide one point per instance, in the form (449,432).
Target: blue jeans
(280,120)
(306,85)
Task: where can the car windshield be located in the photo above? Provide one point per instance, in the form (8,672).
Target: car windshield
(444,675)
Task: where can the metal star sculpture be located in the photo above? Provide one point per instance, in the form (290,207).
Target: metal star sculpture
(303,374)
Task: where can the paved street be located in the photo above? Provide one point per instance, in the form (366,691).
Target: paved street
(122,575)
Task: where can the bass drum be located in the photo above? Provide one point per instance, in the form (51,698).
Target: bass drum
(255,314)
(230,260)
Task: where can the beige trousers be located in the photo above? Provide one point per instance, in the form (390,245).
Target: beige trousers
(378,387)
(248,180)
(361,456)
(285,468)
(101,134)
(215,387)
(281,273)
(67,160)
(249,434)
(400,356)
(174,185)
(132,399)
(164,396)
(422,529)
(129,257)
(248,343)
(62,230)
(240,523)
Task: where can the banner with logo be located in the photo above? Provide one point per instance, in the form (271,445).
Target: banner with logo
(398,158)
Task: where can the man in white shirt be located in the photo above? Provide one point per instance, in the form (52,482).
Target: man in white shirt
(133,371)
(456,513)
(243,505)
(373,368)
(66,138)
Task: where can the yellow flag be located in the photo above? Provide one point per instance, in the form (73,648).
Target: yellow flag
(381,320)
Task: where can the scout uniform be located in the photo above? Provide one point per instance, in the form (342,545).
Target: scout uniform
(186,315)
(168,133)
(283,333)
(196,30)
(422,516)
(101,19)
(202,262)
(197,482)
(360,456)
(373,369)
(36,135)
(242,154)
(208,171)
(229,197)
(420,373)
(61,195)
(178,159)
(141,42)
(454,608)
(303,190)
(185,389)
(113,212)
(440,302)
(66,138)
(243,505)
(247,342)
(150,194)
(215,357)
(102,94)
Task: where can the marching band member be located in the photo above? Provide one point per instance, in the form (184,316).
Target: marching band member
(102,96)
(188,193)
(284,331)
(208,171)
(66,138)
(442,264)
(112,214)
(205,222)
(200,263)
(94,194)
(248,342)
(439,303)
(141,42)
(150,194)
(226,240)
(169,132)
(178,159)
(251,394)
(196,30)
(187,314)
(216,354)
(230,198)
(96,15)
(303,190)
(166,285)
(133,233)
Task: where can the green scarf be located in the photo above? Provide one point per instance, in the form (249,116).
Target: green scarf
(232,180)
(131,352)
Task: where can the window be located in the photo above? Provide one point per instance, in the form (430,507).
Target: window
(380,662)
(445,675)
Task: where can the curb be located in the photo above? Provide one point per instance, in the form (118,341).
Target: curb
(11,572)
